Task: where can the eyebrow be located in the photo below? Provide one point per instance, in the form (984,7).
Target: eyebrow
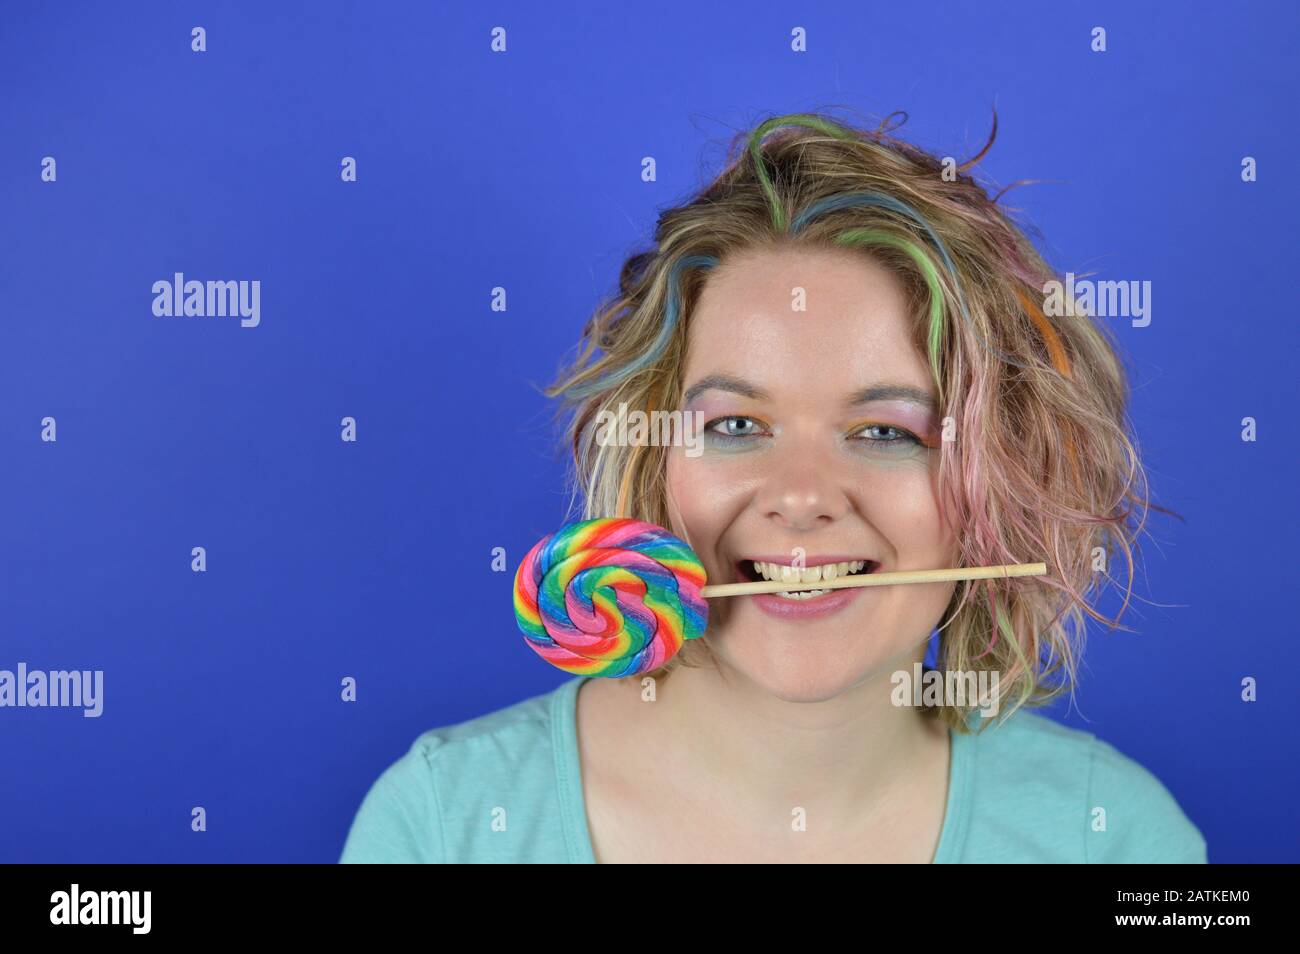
(892,392)
(876,392)
(724,382)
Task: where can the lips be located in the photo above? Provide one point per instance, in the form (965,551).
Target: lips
(805,604)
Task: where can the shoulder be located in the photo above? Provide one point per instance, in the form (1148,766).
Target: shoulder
(1042,791)
(1134,817)
(484,789)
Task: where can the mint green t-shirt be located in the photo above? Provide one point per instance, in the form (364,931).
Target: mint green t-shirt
(1024,791)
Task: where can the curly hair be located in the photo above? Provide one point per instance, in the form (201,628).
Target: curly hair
(1043,466)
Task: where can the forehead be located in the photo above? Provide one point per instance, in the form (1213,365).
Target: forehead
(808,319)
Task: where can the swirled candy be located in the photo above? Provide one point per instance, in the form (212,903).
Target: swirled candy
(610,596)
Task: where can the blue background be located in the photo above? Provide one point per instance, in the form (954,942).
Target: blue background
(328,559)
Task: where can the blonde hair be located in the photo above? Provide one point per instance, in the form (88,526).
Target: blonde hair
(1043,467)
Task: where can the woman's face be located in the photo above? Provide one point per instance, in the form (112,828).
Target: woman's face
(821,446)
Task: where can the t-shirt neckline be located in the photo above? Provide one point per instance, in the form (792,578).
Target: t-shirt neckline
(573,803)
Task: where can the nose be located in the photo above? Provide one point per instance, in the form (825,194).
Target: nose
(802,491)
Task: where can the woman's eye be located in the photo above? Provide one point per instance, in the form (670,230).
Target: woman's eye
(733,426)
(886,434)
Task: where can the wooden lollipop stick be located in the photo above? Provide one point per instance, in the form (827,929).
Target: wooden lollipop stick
(879,579)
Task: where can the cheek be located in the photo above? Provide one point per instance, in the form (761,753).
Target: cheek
(700,501)
(901,503)
(904,514)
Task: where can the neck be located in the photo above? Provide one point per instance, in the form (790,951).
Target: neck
(852,755)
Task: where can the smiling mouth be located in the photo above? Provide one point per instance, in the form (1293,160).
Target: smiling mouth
(756,570)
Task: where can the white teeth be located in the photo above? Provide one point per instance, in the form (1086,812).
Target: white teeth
(802,594)
(808,574)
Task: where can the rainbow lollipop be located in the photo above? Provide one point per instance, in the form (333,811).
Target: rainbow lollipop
(610,597)
(613,596)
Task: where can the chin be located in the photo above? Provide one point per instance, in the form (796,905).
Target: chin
(802,675)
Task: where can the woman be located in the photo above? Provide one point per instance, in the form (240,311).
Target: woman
(859,328)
